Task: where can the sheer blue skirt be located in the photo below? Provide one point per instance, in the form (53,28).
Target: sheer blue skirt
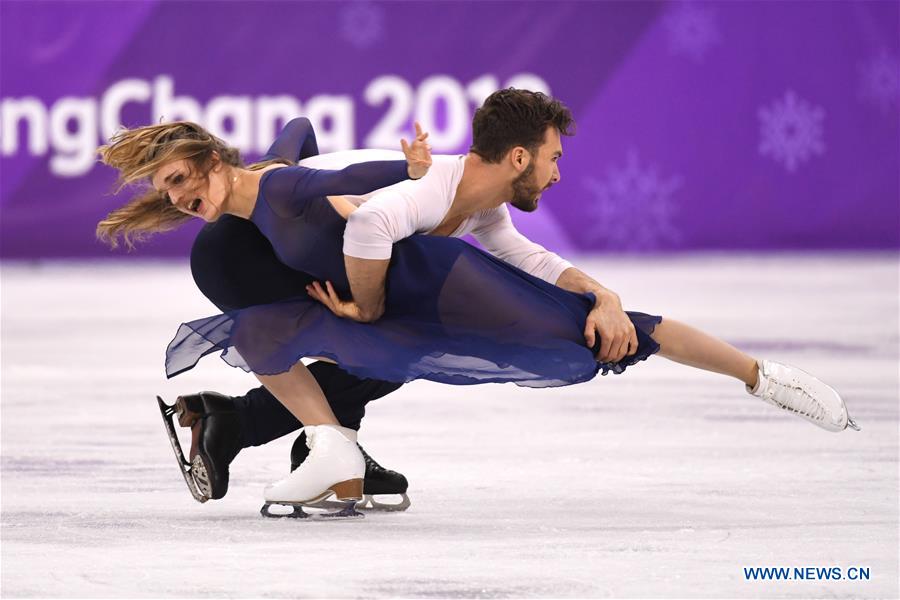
(454,314)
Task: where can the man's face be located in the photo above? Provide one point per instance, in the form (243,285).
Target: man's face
(541,173)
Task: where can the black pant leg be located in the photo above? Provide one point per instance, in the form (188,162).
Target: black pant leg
(348,394)
(264,418)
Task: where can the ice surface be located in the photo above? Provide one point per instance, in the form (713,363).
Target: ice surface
(662,482)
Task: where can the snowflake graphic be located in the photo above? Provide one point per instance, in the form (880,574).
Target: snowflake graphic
(791,130)
(691,30)
(880,81)
(632,207)
(362,23)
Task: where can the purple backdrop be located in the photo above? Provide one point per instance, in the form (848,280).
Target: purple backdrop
(759,126)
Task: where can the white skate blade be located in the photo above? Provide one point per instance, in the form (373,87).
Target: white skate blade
(368,503)
(371,502)
(334,511)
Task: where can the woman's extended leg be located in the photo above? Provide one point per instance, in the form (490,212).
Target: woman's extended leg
(781,385)
(688,346)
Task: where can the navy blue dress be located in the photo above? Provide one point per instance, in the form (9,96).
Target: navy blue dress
(453,313)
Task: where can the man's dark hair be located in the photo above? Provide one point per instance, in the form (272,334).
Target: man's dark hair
(511,117)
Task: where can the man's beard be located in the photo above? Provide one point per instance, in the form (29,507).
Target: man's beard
(525,191)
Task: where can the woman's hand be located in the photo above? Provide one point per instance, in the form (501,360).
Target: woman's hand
(418,154)
(341,308)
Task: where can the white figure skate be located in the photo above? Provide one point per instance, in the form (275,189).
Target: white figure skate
(799,392)
(333,471)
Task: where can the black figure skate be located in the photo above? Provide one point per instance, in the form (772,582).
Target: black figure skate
(215,441)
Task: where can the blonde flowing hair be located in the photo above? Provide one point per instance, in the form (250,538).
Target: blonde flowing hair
(137,154)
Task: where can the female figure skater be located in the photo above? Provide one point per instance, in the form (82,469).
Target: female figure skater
(452,313)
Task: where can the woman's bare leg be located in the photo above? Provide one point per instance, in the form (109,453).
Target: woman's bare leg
(300,393)
(688,346)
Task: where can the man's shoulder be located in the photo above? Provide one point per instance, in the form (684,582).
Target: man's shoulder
(447,159)
(446,163)
(446,170)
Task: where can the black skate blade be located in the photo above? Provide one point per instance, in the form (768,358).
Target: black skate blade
(371,502)
(346,512)
(168,411)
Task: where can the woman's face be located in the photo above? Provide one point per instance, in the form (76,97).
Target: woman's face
(191,192)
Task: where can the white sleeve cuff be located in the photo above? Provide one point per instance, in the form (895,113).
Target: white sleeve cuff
(363,250)
(368,234)
(556,268)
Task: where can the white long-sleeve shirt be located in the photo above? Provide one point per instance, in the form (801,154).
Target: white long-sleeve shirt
(401,210)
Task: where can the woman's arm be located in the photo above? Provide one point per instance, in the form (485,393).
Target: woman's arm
(295,142)
(289,189)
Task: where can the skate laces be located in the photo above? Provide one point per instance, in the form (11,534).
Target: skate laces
(310,437)
(794,398)
(310,440)
(371,465)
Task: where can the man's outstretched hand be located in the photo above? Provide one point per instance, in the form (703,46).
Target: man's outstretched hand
(618,338)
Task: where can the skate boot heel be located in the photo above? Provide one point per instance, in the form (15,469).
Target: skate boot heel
(351,489)
(189,409)
(193,407)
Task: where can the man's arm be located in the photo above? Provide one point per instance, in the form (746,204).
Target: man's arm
(367,278)
(372,229)
(369,238)
(607,319)
(499,236)
(495,231)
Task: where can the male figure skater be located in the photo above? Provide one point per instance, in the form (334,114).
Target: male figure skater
(516,147)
